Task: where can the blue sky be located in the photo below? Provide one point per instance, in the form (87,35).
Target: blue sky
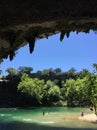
(78,51)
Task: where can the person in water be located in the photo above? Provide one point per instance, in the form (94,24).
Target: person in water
(43,113)
(82,113)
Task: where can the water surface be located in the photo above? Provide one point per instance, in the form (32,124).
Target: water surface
(54,118)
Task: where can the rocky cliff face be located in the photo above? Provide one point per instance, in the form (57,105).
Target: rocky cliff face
(24,21)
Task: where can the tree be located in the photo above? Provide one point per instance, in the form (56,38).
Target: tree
(23,69)
(32,87)
(71,73)
(57,71)
(11,71)
(95,67)
(54,94)
(0,72)
(49,84)
(91,84)
(72,70)
(81,89)
(64,90)
(51,93)
(83,73)
(45,72)
(75,92)
(71,93)
(39,74)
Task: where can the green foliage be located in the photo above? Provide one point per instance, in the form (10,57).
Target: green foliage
(48,92)
(33,87)
(57,71)
(91,84)
(95,66)
(71,92)
(54,87)
(83,73)
(11,71)
(54,94)
(75,92)
(23,69)
(61,103)
(63,91)
(0,72)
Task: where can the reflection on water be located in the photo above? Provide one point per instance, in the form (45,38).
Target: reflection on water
(55,118)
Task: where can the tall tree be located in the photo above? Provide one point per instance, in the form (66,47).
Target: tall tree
(83,73)
(71,73)
(71,93)
(23,69)
(57,71)
(91,84)
(33,87)
(11,71)
(0,72)
(54,94)
(95,67)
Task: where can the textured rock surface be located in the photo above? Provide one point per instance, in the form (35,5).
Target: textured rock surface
(24,21)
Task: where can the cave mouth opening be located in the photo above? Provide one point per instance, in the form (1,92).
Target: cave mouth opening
(78,51)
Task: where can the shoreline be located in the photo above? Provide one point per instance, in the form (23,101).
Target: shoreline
(88,117)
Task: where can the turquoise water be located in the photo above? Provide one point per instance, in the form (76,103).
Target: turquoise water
(55,118)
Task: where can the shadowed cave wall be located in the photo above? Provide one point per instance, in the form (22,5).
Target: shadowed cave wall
(22,22)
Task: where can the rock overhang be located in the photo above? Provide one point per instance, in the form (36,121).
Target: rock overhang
(22,22)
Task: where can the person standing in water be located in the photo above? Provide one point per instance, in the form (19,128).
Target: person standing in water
(82,113)
(43,113)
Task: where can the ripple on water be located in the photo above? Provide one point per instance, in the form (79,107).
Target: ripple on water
(29,120)
(16,117)
(2,114)
(5,114)
(47,122)
(42,122)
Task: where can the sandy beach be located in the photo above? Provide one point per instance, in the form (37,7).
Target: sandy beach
(89,117)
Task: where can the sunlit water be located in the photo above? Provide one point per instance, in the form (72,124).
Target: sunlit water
(55,118)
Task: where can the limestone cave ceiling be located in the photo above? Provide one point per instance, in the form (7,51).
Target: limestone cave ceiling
(24,21)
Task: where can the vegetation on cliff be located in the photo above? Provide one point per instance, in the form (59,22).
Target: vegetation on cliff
(50,87)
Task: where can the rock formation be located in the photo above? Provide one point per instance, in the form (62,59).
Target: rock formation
(24,21)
